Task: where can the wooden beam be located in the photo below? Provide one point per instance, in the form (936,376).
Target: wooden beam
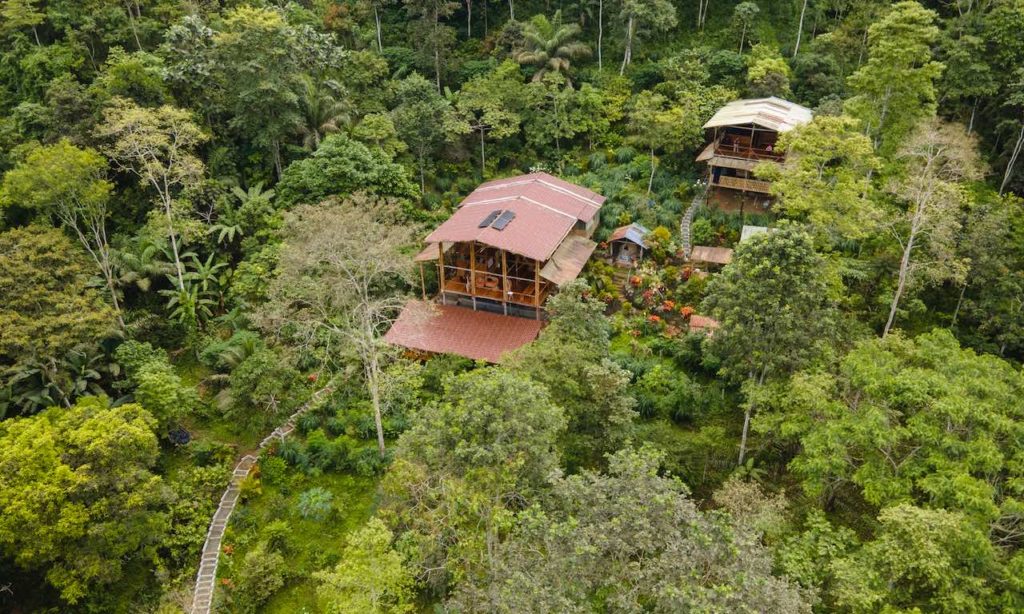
(440,270)
(504,283)
(472,273)
(536,287)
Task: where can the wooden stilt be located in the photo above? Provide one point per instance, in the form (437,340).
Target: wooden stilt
(440,270)
(423,282)
(536,288)
(504,283)
(472,273)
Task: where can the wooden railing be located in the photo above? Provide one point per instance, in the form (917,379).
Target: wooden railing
(746,152)
(739,183)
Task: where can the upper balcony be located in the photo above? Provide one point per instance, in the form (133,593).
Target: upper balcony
(738,148)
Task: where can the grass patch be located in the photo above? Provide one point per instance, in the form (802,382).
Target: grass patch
(310,545)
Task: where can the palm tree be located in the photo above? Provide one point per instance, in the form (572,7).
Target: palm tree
(549,46)
(324,110)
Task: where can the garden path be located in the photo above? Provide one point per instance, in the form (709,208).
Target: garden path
(684,226)
(202,595)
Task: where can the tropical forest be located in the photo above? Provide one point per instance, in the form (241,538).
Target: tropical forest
(511,306)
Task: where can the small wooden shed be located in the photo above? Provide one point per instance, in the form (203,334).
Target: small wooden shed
(627,244)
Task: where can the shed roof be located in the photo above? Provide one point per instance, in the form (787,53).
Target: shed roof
(702,324)
(714,255)
(446,329)
(749,231)
(772,113)
(546,209)
(568,260)
(634,233)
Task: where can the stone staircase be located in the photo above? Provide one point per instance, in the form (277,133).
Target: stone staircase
(684,226)
(206,578)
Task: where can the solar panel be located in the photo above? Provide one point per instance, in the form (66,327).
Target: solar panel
(503,220)
(493,215)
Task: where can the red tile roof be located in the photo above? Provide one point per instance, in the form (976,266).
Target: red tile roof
(546,209)
(445,329)
(581,203)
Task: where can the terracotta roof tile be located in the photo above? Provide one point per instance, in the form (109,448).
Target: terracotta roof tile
(445,329)
(546,209)
(534,233)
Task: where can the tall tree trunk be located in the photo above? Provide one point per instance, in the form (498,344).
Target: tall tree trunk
(743,36)
(901,285)
(35,33)
(373,382)
(174,244)
(800,29)
(959,303)
(650,181)
(376,20)
(600,32)
(974,109)
(131,21)
(628,55)
(1013,160)
(275,150)
(469,18)
(99,250)
(483,157)
(511,11)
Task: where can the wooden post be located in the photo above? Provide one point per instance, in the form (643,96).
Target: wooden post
(423,282)
(504,283)
(536,287)
(440,270)
(472,273)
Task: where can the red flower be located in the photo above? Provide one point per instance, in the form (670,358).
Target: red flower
(313,377)
(668,305)
(636,280)
(686,311)
(653,319)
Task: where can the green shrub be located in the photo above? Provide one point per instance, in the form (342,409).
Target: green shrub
(368,462)
(132,355)
(273,469)
(277,535)
(316,504)
(206,453)
(259,577)
(294,453)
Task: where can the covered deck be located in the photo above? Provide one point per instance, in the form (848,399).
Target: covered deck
(430,328)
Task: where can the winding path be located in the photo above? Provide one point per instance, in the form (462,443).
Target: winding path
(684,225)
(202,596)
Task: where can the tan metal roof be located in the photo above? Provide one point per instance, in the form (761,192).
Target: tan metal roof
(771,113)
(714,255)
(568,260)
